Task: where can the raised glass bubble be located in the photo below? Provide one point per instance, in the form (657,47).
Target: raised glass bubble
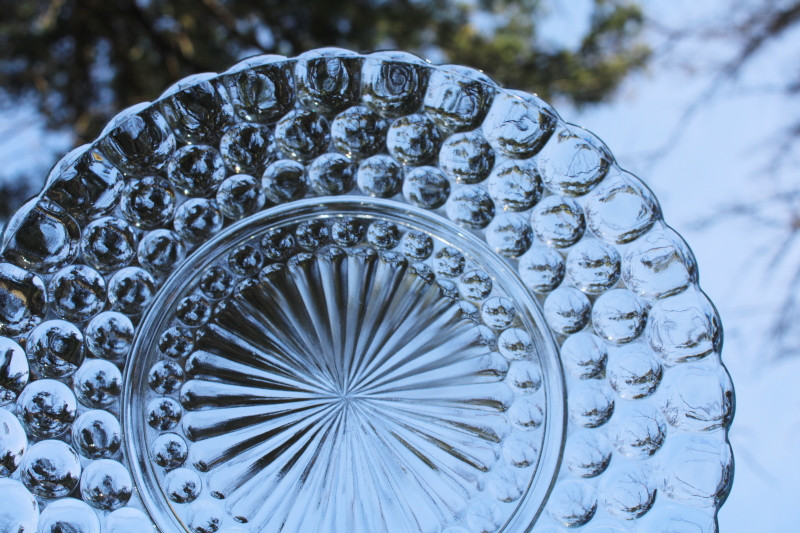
(106,485)
(138,140)
(46,408)
(108,244)
(558,221)
(413,140)
(55,349)
(169,450)
(358,132)
(77,292)
(570,164)
(393,83)
(240,195)
(20,510)
(247,148)
(183,485)
(471,207)
(517,127)
(466,157)
(109,335)
(426,187)
(515,185)
(97,434)
(40,237)
(161,251)
(457,98)
(50,468)
(68,515)
(196,170)
(380,176)
(328,79)
(331,175)
(284,181)
(302,135)
(197,220)
(14,370)
(24,300)
(148,203)
(85,183)
(131,290)
(97,383)
(13,443)
(198,109)
(127,520)
(261,88)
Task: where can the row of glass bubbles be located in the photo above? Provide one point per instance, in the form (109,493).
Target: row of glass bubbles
(130,206)
(65,439)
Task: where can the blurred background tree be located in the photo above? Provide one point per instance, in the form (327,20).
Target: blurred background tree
(79,62)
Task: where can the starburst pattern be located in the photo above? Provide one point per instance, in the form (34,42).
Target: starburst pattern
(345,391)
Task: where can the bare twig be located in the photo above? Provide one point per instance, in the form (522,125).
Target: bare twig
(758,27)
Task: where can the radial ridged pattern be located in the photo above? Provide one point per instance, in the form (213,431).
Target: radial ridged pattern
(345,391)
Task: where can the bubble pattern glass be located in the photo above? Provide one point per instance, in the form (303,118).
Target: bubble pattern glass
(348,292)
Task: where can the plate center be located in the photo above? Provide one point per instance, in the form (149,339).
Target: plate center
(352,364)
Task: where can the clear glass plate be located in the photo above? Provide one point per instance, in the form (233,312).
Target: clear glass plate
(349,292)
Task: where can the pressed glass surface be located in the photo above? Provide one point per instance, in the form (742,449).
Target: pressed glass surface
(344,380)
(354,292)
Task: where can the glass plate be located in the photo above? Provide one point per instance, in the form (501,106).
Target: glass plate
(348,292)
